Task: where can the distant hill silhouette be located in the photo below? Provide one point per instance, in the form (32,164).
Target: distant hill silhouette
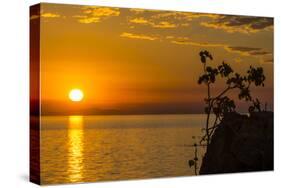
(128,109)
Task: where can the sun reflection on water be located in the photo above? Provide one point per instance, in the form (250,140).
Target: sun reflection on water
(75,148)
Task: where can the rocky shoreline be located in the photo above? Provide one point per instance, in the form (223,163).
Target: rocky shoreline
(241,143)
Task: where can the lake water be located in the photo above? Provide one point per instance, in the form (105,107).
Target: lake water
(101,148)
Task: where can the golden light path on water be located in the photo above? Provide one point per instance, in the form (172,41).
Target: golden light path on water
(101,148)
(75,148)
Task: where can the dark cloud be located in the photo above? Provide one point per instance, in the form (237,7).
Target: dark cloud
(260,53)
(269,60)
(244,50)
(253,22)
(243,24)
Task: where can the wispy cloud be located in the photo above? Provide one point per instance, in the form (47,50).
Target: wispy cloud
(247,51)
(154,24)
(138,36)
(242,50)
(261,53)
(228,23)
(102,11)
(45,15)
(268,61)
(164,25)
(187,41)
(139,20)
(87,20)
(92,14)
(165,19)
(140,11)
(241,24)
(50,15)
(184,16)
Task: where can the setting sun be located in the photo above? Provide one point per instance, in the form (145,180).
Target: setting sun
(76,95)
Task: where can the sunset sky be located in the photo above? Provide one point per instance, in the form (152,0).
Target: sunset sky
(132,61)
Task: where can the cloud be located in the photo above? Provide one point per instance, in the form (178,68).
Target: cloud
(241,24)
(192,43)
(228,23)
(49,15)
(93,14)
(137,11)
(140,20)
(138,36)
(268,61)
(45,15)
(157,16)
(199,44)
(140,11)
(242,50)
(261,53)
(159,24)
(187,16)
(88,20)
(187,41)
(248,51)
(165,19)
(164,25)
(102,11)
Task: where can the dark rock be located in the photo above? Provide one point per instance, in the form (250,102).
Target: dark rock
(241,143)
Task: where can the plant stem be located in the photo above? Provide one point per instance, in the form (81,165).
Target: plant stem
(209,108)
(208,116)
(223,92)
(195,161)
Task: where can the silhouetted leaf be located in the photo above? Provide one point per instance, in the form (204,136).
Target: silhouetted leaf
(191,163)
(203,59)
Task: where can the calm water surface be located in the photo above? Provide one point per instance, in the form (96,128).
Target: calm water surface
(100,148)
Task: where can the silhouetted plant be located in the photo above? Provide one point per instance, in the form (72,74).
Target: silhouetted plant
(194,162)
(221,104)
(255,106)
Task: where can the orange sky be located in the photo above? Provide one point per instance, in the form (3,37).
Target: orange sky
(143,61)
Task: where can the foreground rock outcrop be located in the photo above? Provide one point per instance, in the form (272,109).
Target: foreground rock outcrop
(241,143)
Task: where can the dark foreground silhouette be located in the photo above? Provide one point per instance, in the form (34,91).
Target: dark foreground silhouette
(235,142)
(240,143)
